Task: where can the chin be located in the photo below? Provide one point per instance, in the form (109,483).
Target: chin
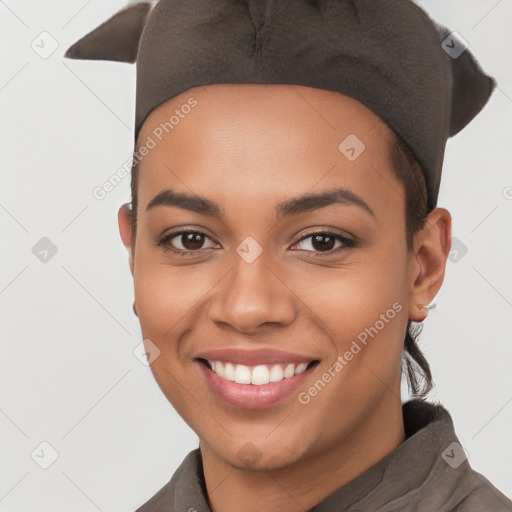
(260,455)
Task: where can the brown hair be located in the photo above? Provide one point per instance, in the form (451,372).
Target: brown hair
(408,171)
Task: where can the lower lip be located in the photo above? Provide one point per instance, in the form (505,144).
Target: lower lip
(252,396)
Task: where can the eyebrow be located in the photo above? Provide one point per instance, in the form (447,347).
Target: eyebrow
(293,206)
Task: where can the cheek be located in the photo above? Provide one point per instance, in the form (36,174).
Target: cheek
(363,310)
(363,307)
(168,303)
(352,297)
(168,297)
(161,293)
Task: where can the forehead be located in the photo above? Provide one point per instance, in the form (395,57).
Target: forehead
(265,141)
(320,109)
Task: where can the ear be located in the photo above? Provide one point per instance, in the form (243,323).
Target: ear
(117,38)
(125,230)
(428,261)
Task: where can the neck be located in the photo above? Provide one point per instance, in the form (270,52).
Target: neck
(307,482)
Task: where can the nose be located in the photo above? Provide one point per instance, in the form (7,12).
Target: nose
(251,295)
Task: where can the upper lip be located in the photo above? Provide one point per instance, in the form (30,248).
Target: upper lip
(254,357)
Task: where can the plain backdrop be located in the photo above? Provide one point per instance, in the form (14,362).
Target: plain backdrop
(68,376)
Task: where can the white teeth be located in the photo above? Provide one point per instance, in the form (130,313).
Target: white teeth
(229,371)
(242,374)
(260,375)
(289,371)
(257,375)
(300,368)
(218,368)
(276,373)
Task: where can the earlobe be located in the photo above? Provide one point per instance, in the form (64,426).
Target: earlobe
(125,229)
(431,250)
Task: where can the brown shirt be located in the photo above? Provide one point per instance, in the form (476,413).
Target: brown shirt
(428,472)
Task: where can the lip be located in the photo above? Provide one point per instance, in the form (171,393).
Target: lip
(254,357)
(251,396)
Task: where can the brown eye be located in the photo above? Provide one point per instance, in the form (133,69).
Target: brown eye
(185,241)
(325,242)
(192,241)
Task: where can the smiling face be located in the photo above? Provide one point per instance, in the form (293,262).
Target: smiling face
(297,255)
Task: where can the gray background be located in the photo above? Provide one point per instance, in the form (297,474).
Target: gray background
(68,375)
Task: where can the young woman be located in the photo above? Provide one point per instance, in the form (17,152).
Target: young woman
(285,239)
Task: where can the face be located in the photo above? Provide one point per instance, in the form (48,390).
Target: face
(292,273)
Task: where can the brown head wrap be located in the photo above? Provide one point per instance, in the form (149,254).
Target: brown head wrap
(387,54)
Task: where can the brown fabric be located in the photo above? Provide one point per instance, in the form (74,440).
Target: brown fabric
(387,54)
(426,473)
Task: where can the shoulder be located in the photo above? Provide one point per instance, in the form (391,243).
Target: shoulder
(184,489)
(483,497)
(161,501)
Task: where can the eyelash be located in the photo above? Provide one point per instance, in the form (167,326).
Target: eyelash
(349,243)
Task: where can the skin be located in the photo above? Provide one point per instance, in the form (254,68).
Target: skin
(249,147)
